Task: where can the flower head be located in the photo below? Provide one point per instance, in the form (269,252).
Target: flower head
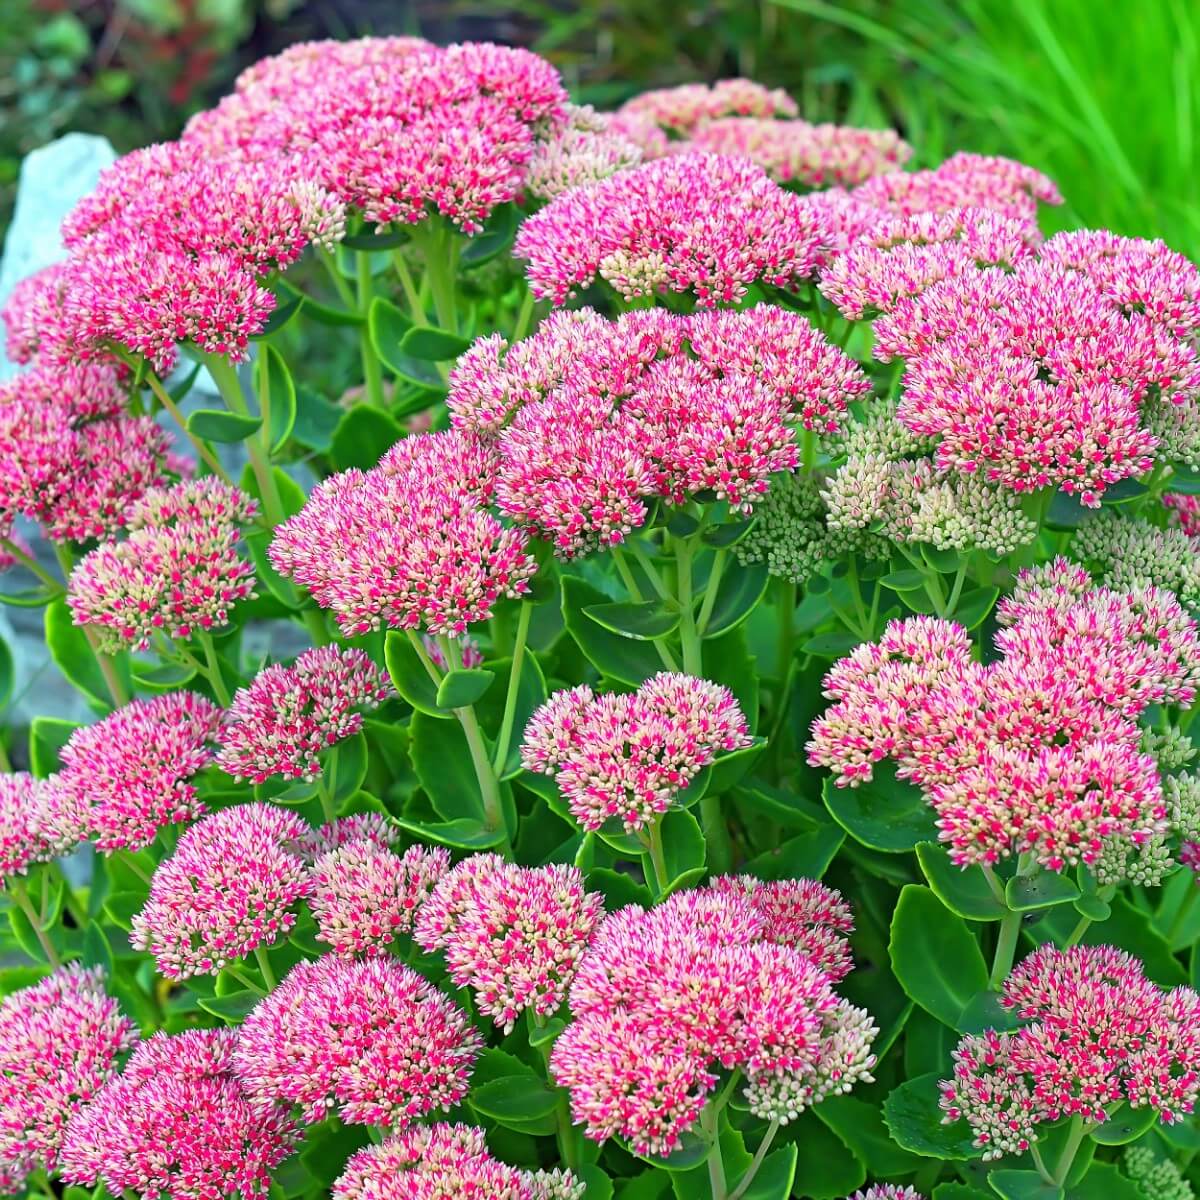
(683,109)
(585,151)
(445,1160)
(176,1124)
(129,775)
(363,895)
(370,1038)
(591,417)
(178,571)
(36,825)
(33,313)
(1001,184)
(1095,1032)
(626,757)
(664,997)
(230,887)
(798,152)
(1130,554)
(280,723)
(694,223)
(59,1042)
(514,935)
(407,544)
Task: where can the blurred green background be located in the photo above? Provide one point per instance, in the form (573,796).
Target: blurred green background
(1103,96)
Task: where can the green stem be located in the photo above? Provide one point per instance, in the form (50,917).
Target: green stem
(710,591)
(566,1133)
(689,638)
(514,687)
(213,669)
(324,795)
(414,640)
(20,895)
(372,367)
(5,762)
(202,448)
(1074,1140)
(716,834)
(1181,913)
(956,590)
(994,884)
(264,965)
(489,786)
(1040,1163)
(230,386)
(1006,949)
(132,863)
(26,560)
(631,586)
(658,862)
(786,637)
(245,978)
(524,316)
(651,572)
(440,247)
(338,279)
(415,310)
(314,622)
(116,686)
(864,623)
(709,1120)
(752,1170)
(1081,927)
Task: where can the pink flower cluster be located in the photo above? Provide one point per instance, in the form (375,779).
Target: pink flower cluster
(1097,1033)
(363,895)
(428,1162)
(802,153)
(1037,752)
(59,1043)
(178,571)
(130,775)
(586,150)
(75,476)
(696,223)
(512,934)
(903,256)
(396,128)
(625,758)
(409,544)
(176,1125)
(1037,377)
(281,723)
(371,1039)
(682,110)
(34,826)
(589,417)
(229,888)
(1185,512)
(737,118)
(963,180)
(174,241)
(663,997)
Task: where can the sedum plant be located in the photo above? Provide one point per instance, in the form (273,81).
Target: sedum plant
(666,669)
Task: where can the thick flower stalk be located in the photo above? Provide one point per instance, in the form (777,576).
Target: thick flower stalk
(514,935)
(371,1040)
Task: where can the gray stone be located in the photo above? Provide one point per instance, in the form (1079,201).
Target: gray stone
(53,178)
